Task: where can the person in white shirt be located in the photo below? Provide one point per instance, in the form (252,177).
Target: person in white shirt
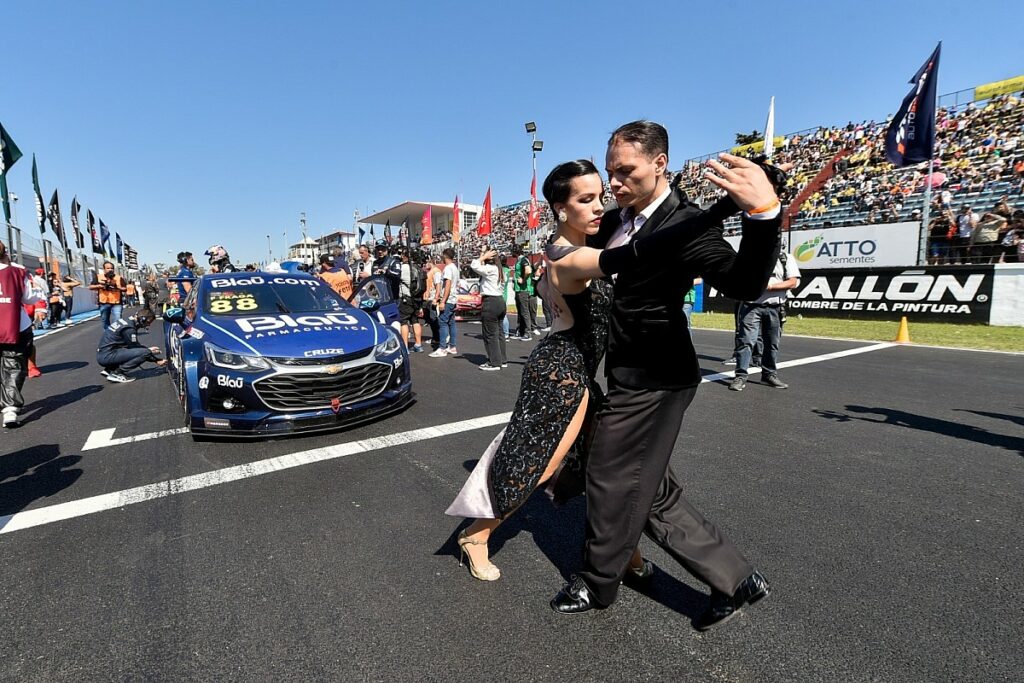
(492,288)
(17,290)
(765,316)
(447,298)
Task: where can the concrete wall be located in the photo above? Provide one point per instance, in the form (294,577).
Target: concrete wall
(1008,295)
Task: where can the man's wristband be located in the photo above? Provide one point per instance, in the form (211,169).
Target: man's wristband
(764,209)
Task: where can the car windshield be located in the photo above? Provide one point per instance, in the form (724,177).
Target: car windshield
(269,294)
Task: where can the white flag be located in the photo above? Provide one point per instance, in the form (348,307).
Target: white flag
(769,131)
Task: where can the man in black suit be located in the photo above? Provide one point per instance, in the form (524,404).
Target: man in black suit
(653,373)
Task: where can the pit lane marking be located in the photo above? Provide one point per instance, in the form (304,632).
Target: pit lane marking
(170,487)
(804,361)
(104,438)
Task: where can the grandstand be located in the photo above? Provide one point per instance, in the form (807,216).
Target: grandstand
(841,177)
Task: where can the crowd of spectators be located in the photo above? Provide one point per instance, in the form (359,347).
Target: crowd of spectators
(979,158)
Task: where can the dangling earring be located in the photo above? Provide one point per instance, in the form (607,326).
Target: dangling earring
(562,217)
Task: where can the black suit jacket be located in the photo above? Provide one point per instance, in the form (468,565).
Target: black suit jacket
(649,345)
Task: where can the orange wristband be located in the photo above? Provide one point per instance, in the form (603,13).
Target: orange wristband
(764,209)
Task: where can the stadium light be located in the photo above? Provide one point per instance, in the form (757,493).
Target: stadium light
(538,145)
(531,127)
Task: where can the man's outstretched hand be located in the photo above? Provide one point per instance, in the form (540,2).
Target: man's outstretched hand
(745,181)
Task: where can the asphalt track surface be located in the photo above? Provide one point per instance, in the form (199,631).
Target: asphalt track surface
(881,495)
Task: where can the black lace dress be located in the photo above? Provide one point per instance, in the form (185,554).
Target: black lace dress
(560,370)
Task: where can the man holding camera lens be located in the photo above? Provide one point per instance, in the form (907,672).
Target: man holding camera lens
(111,288)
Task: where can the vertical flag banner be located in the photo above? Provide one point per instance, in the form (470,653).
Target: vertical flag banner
(40,211)
(9,153)
(120,248)
(53,213)
(387,231)
(75,208)
(105,239)
(427,236)
(533,218)
(483,227)
(456,221)
(769,131)
(90,225)
(911,135)
(362,233)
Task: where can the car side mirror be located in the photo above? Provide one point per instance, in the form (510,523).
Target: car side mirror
(369,305)
(174,315)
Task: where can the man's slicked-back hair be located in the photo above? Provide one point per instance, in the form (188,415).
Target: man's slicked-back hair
(651,137)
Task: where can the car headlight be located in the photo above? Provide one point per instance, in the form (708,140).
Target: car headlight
(235,361)
(389,346)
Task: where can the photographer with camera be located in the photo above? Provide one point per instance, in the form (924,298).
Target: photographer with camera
(120,350)
(111,288)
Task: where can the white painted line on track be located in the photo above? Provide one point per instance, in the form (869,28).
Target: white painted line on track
(103,438)
(164,489)
(804,361)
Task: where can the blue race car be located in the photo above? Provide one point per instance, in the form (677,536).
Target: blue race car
(267,354)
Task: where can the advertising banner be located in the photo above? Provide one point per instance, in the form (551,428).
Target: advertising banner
(959,294)
(859,246)
(983,92)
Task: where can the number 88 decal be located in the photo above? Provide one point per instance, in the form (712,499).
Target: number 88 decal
(227,305)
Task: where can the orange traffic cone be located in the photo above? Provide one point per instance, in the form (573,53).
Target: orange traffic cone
(903,336)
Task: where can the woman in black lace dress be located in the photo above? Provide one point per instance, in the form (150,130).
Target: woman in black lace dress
(558,384)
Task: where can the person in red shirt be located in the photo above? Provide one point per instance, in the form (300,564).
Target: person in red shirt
(16,292)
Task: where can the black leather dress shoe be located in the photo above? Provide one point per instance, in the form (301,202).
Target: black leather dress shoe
(574,598)
(724,607)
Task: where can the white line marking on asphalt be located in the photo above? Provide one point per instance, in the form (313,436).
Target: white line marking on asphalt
(163,489)
(804,361)
(103,438)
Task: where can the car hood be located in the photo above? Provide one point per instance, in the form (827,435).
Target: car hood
(296,335)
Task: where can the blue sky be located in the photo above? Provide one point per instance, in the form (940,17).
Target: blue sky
(187,123)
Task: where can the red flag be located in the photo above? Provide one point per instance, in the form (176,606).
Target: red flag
(426,236)
(483,227)
(533,218)
(456,221)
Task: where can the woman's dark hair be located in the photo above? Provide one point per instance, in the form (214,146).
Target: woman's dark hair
(556,185)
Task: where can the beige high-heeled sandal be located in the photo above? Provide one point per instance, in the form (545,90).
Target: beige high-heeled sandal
(487,573)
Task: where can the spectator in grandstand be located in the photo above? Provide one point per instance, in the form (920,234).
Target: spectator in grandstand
(766,310)
(941,231)
(493,310)
(522,284)
(447,298)
(985,247)
(68,284)
(110,288)
(966,222)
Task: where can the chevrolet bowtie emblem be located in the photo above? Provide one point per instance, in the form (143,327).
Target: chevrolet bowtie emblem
(333,369)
